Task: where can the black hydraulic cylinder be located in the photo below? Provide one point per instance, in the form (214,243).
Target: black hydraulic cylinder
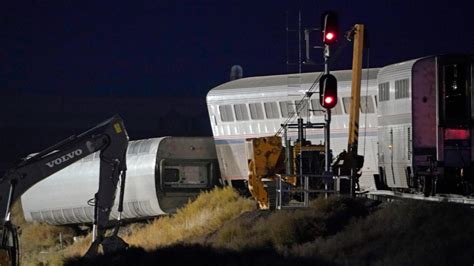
(300,130)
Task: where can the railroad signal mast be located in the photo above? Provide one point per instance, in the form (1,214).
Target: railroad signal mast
(270,163)
(328,83)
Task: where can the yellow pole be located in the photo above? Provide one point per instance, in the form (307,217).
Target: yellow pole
(356,82)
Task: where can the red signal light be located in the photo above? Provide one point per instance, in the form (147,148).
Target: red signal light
(328,100)
(329,27)
(330,36)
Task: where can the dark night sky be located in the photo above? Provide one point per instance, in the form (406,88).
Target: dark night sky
(134,48)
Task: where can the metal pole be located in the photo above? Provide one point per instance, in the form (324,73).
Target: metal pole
(279,192)
(301,138)
(306,191)
(287,151)
(301,141)
(327,136)
(327,54)
(352,190)
(327,132)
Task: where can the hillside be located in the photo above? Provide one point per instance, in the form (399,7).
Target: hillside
(222,228)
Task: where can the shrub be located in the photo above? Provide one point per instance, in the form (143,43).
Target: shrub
(286,228)
(406,233)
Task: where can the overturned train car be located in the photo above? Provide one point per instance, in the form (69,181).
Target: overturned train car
(425,125)
(163,174)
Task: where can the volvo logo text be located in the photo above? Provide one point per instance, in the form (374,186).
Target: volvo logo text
(64,158)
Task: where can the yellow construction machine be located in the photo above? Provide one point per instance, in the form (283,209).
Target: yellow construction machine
(265,160)
(268,161)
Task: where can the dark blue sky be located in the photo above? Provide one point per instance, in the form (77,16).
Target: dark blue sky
(134,48)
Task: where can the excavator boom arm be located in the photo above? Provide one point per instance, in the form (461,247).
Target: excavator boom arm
(109,137)
(353,140)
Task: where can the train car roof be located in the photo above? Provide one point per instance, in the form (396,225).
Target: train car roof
(408,64)
(282,80)
(386,73)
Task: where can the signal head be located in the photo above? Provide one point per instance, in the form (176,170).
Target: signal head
(328,91)
(329,24)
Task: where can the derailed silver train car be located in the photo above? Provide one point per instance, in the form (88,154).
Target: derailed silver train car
(257,106)
(425,124)
(163,174)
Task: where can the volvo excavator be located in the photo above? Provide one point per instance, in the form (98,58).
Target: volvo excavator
(111,139)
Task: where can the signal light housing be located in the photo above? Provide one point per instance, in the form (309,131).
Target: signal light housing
(330,28)
(328,91)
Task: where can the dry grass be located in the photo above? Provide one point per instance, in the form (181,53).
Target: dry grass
(406,233)
(197,219)
(48,235)
(40,244)
(220,226)
(79,248)
(287,228)
(17,216)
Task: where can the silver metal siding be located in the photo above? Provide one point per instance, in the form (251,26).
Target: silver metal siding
(46,201)
(395,125)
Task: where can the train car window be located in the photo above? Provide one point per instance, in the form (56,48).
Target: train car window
(302,107)
(401,89)
(456,103)
(226,113)
(241,112)
(170,175)
(317,109)
(287,109)
(337,110)
(384,91)
(346,101)
(271,110)
(256,111)
(367,105)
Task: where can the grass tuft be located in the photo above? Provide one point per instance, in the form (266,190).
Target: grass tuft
(198,218)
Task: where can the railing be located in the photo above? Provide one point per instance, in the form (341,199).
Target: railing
(303,189)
